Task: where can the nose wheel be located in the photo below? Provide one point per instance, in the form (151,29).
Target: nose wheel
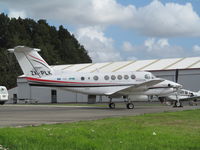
(111,104)
(178,104)
(129,106)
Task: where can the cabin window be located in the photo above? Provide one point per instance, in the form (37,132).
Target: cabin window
(95,77)
(82,78)
(106,77)
(182,92)
(71,78)
(119,77)
(147,76)
(133,76)
(113,77)
(126,77)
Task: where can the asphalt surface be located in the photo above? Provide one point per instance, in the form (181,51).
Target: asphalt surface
(25,115)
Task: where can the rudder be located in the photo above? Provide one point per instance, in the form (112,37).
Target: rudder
(31,63)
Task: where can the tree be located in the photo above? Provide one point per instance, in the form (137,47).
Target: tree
(58,46)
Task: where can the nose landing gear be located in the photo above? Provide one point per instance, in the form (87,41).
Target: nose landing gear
(111,105)
(177,103)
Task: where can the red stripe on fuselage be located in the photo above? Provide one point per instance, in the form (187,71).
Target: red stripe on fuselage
(55,81)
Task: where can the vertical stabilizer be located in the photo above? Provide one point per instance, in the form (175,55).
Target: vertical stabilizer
(31,63)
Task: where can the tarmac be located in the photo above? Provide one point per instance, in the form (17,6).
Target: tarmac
(34,115)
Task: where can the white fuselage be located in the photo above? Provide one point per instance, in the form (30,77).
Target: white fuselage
(183,94)
(39,73)
(104,83)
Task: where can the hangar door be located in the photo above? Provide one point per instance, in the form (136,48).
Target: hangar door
(53,96)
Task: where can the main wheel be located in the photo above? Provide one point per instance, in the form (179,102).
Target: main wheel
(178,104)
(112,105)
(1,103)
(129,106)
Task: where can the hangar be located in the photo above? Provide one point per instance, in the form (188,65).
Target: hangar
(188,75)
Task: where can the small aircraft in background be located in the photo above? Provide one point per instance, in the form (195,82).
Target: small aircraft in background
(180,95)
(183,95)
(119,84)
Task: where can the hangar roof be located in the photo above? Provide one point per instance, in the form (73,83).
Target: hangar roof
(135,65)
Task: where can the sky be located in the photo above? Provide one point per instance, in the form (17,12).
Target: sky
(120,30)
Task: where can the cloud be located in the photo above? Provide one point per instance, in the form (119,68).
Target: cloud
(196,48)
(127,46)
(154,20)
(16,14)
(161,48)
(87,12)
(157,48)
(167,20)
(152,44)
(100,48)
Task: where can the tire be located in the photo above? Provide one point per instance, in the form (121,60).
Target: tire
(178,104)
(129,106)
(1,103)
(112,105)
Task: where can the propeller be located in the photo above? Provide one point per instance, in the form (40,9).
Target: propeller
(176,75)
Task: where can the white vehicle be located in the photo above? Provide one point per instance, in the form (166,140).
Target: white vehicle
(120,84)
(3,95)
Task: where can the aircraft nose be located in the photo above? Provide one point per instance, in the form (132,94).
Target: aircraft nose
(178,85)
(174,85)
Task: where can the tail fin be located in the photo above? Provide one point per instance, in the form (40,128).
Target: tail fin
(31,63)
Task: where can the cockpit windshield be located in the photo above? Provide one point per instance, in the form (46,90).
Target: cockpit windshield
(153,76)
(149,76)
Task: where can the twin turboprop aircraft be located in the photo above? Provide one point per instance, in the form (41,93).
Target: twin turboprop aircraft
(183,95)
(120,84)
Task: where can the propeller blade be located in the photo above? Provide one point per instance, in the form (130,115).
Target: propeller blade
(176,75)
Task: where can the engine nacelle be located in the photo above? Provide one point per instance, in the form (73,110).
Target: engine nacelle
(138,97)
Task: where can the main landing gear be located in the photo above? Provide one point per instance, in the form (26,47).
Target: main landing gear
(129,104)
(2,102)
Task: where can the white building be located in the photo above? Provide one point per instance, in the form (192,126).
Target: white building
(188,68)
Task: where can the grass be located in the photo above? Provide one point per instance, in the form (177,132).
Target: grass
(162,131)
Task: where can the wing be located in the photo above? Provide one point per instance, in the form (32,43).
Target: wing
(136,87)
(190,98)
